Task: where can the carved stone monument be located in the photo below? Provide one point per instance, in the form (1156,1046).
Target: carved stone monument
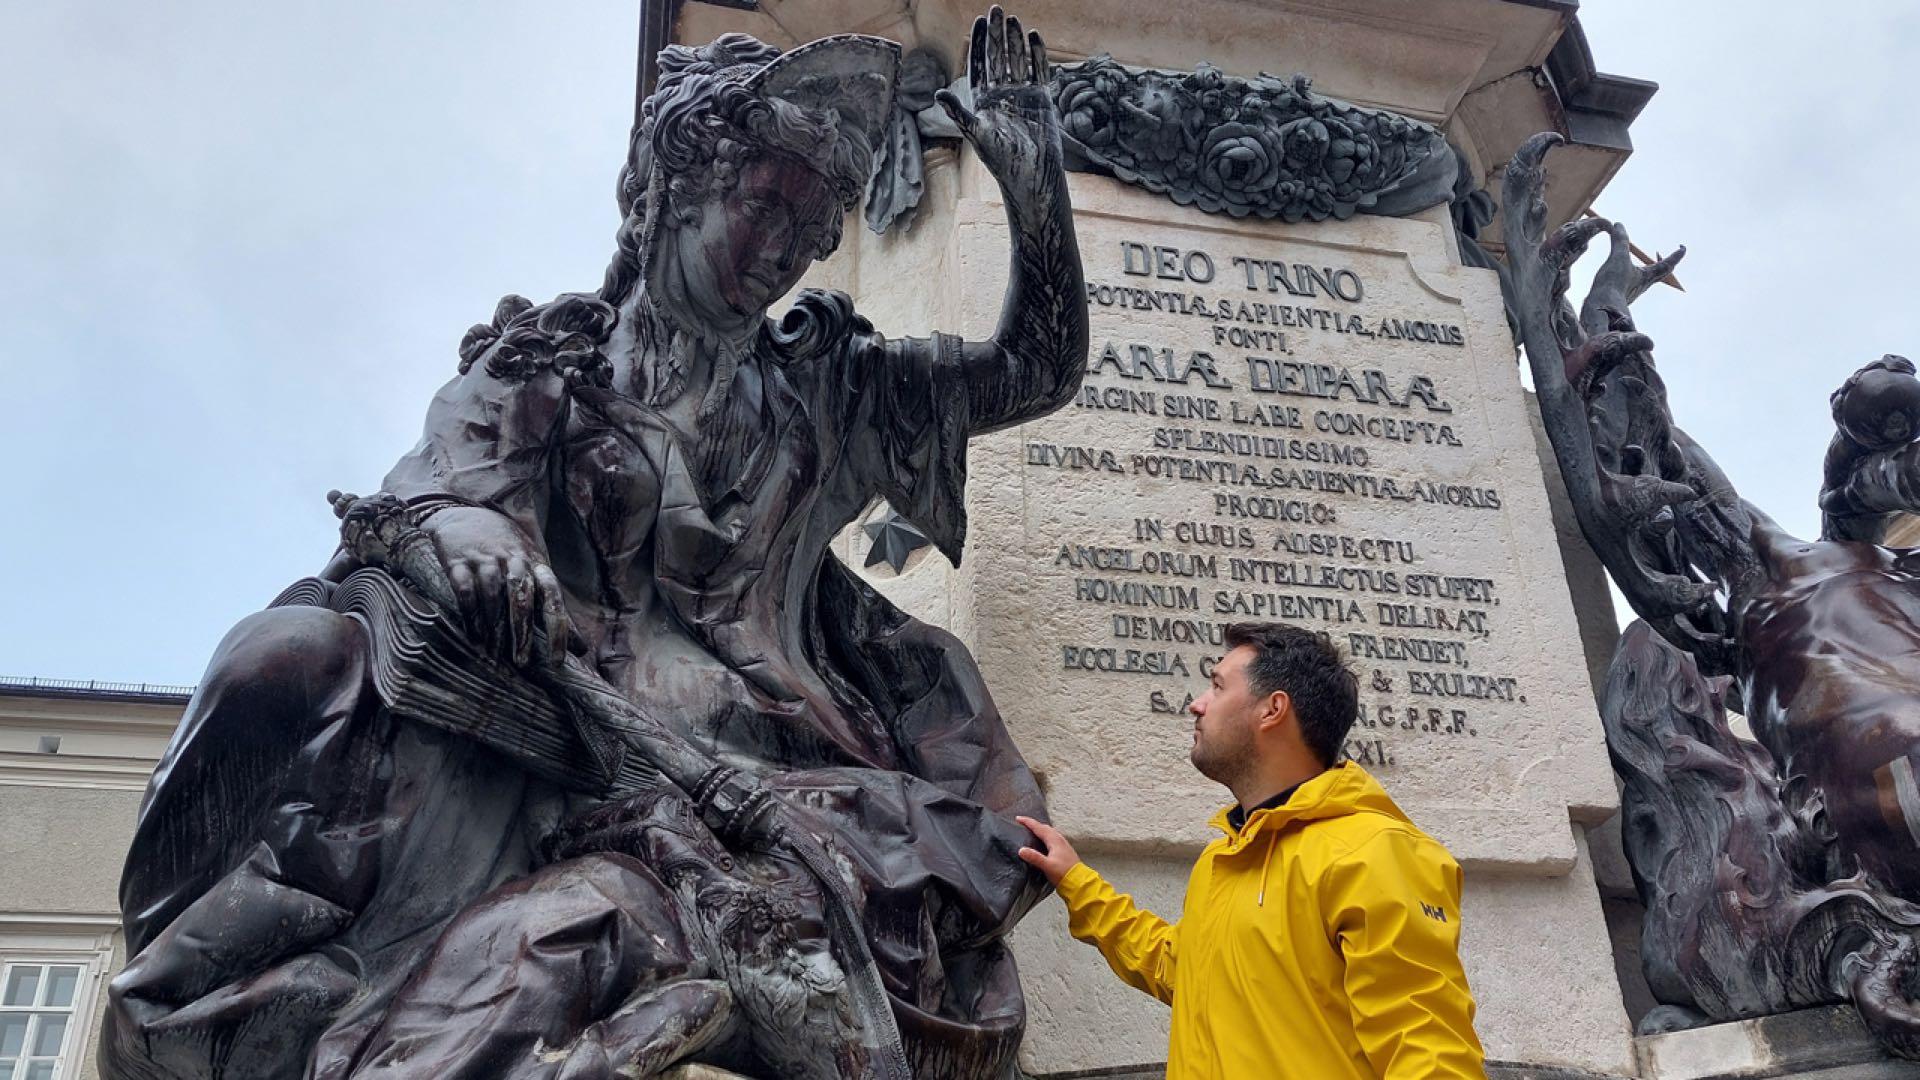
(1301,403)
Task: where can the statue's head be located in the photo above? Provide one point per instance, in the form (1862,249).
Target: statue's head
(745,164)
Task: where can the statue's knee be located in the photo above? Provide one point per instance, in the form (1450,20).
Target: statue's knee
(304,647)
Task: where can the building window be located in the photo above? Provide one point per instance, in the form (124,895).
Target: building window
(52,971)
(37,1019)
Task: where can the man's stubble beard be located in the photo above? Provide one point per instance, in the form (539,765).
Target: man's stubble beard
(1221,761)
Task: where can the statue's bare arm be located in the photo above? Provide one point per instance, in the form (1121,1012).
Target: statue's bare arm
(1033,363)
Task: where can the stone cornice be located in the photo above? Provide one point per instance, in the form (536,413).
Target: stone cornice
(1599,107)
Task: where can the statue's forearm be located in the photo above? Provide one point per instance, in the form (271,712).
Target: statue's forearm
(1038,354)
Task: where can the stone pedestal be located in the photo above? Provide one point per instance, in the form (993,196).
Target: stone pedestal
(1112,541)
(1319,423)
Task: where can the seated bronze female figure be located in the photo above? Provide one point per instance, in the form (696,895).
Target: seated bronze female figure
(584,758)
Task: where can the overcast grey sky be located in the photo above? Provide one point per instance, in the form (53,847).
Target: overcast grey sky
(239,242)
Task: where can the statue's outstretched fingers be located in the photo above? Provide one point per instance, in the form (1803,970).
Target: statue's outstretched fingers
(1037,59)
(1019,59)
(996,47)
(977,57)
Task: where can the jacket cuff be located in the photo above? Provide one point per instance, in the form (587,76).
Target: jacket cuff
(1079,880)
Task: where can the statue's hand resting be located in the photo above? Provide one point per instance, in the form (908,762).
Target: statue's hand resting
(505,591)
(1013,124)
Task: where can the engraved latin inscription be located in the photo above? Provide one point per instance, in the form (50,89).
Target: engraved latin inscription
(1280,429)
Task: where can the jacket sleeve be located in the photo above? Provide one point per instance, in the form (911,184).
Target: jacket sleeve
(1394,906)
(1138,944)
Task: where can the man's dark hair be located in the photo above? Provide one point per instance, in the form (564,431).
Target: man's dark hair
(1306,665)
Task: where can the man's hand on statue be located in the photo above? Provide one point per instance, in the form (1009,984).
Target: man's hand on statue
(1055,856)
(1013,125)
(506,592)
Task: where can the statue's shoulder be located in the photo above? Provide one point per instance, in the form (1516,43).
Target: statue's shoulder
(820,326)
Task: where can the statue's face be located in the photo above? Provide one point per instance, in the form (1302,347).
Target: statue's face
(755,239)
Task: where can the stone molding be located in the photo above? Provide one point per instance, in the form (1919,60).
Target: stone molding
(75,771)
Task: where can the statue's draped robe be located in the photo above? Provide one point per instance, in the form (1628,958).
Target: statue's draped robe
(303,850)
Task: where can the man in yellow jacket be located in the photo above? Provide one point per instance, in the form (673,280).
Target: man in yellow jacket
(1320,937)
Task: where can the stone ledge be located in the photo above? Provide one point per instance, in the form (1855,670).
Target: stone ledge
(1520,1070)
(1811,1044)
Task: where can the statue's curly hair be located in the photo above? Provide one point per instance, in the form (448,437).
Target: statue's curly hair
(701,124)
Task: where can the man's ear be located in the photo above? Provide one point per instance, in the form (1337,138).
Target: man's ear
(1277,706)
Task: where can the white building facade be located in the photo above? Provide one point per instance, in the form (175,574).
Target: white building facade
(74,759)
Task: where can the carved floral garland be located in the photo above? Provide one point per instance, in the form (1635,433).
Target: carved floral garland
(1266,147)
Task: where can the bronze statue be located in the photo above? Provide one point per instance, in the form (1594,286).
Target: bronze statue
(1816,642)
(583,758)
(1744,916)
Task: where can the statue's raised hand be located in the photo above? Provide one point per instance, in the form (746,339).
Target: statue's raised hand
(1012,125)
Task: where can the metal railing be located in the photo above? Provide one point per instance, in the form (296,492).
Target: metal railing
(15,684)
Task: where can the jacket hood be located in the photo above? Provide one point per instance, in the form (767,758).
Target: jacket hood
(1342,790)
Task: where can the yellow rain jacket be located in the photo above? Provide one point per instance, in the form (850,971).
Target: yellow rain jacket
(1320,941)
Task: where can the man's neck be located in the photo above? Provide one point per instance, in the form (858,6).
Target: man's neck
(1256,790)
